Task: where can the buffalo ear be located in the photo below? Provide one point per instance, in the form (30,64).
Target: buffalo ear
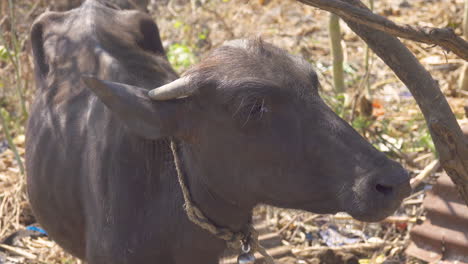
(145,31)
(132,105)
(37,41)
(41,29)
(150,39)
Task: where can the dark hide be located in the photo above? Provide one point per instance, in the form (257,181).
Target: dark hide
(101,177)
(64,5)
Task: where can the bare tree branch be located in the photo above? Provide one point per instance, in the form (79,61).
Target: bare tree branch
(446,133)
(443,37)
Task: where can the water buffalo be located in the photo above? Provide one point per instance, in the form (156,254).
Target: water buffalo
(250,126)
(64,5)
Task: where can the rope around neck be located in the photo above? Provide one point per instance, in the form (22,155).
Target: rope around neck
(233,240)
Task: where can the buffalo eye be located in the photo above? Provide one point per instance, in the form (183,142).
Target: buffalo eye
(252,111)
(258,108)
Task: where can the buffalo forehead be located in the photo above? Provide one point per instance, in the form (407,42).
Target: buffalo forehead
(256,59)
(92,20)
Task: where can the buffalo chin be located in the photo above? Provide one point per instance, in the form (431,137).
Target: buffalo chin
(371,217)
(373,214)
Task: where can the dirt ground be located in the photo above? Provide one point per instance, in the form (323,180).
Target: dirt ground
(189,30)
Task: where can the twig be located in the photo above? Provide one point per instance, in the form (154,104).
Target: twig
(18,251)
(220,19)
(390,219)
(10,141)
(413,201)
(295,232)
(463,92)
(288,224)
(3,20)
(414,195)
(311,218)
(391,146)
(423,157)
(428,170)
(383,82)
(15,59)
(360,246)
(171,8)
(33,9)
(355,11)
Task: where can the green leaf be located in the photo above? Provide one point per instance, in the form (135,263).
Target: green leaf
(178,24)
(180,56)
(202,36)
(4,53)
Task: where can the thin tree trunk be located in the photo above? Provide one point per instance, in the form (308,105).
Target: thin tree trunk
(337,52)
(367,63)
(2,8)
(464,75)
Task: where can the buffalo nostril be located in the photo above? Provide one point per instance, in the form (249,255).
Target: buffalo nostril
(384,189)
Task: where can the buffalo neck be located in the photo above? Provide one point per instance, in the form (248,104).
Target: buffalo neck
(218,209)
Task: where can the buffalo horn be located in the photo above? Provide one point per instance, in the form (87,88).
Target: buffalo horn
(175,89)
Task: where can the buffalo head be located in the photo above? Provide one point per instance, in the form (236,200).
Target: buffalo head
(255,130)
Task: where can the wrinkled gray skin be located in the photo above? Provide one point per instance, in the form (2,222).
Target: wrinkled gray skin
(101,177)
